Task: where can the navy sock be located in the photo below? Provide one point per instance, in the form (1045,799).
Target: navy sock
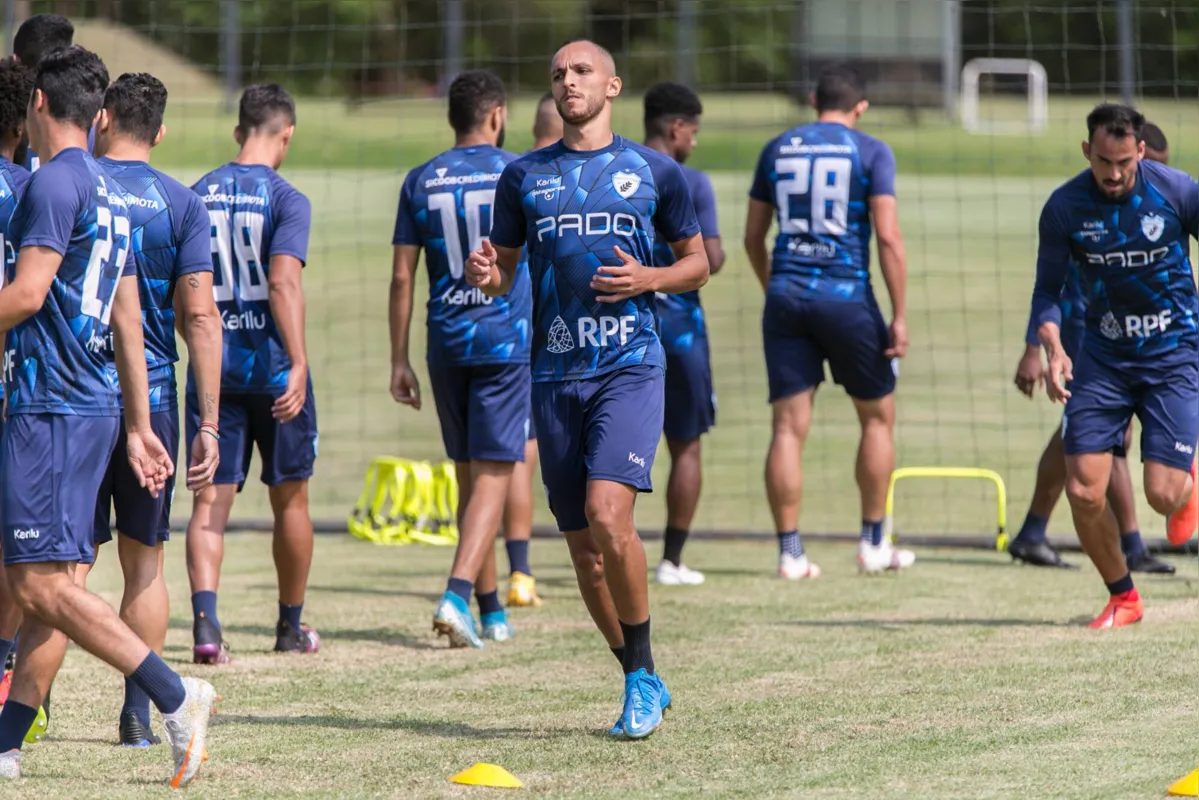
(136,701)
(619,653)
(461,588)
(872,532)
(518,556)
(291,615)
(672,548)
(1033,529)
(204,605)
(489,603)
(15,721)
(6,647)
(160,683)
(1121,586)
(790,544)
(637,653)
(1131,543)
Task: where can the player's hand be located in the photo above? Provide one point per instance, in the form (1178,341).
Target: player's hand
(150,461)
(289,404)
(899,339)
(1030,372)
(206,455)
(479,265)
(405,388)
(1061,372)
(620,283)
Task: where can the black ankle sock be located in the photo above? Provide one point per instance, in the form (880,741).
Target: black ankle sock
(619,653)
(1115,587)
(672,550)
(637,653)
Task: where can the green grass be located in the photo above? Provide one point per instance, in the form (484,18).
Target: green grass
(967,677)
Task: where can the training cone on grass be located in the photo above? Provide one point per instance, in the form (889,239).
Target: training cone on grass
(1185,787)
(487,775)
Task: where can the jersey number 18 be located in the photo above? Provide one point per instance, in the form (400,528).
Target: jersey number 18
(243,240)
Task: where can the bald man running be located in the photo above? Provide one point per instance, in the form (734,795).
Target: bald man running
(589,209)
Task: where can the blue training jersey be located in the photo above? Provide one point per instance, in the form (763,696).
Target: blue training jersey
(13,179)
(170,239)
(59,363)
(820,178)
(254,216)
(573,209)
(680,316)
(1134,259)
(446,207)
(1073,307)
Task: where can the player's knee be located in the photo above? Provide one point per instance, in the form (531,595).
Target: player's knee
(140,566)
(36,594)
(1166,496)
(589,565)
(289,496)
(1085,496)
(607,520)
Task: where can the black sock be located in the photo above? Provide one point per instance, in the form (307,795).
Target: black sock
(1115,587)
(619,653)
(637,654)
(489,602)
(672,550)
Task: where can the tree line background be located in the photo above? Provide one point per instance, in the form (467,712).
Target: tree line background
(365,48)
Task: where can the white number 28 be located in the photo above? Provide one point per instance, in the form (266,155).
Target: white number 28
(826,182)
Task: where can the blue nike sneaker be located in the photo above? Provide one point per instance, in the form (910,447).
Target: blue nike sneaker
(495,626)
(645,700)
(617,730)
(454,620)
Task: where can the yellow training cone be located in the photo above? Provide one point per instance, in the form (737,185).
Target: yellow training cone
(487,775)
(1185,787)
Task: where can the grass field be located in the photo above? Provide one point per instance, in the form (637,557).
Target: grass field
(969,209)
(966,677)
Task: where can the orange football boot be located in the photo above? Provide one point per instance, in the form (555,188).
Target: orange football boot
(1121,609)
(1183,522)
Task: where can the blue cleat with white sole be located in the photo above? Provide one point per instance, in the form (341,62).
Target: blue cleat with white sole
(645,701)
(495,626)
(454,620)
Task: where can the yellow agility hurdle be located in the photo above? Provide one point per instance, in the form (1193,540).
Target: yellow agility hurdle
(971,473)
(404,501)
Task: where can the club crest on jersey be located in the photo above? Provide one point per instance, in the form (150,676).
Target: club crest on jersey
(626,184)
(1152,226)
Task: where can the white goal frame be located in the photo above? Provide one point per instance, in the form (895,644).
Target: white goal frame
(1038,96)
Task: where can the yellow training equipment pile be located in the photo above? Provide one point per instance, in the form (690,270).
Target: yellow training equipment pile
(406,501)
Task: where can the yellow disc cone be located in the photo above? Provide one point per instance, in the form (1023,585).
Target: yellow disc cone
(1185,787)
(487,775)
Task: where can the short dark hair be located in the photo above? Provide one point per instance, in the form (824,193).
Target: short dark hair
(16,84)
(1154,138)
(73,81)
(41,35)
(262,104)
(1116,120)
(136,102)
(665,102)
(472,96)
(839,88)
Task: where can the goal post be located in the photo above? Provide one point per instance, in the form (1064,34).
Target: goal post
(1037,118)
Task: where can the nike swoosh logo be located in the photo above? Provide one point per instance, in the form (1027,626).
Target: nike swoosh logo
(633,717)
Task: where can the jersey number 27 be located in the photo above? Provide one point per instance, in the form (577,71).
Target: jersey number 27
(826,183)
(91,304)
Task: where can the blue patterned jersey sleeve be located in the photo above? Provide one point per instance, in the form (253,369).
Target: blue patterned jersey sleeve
(508,215)
(674,218)
(293,221)
(880,166)
(193,232)
(762,189)
(704,199)
(1053,263)
(51,205)
(406,231)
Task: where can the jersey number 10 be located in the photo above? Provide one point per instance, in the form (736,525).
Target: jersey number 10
(472,202)
(243,240)
(826,182)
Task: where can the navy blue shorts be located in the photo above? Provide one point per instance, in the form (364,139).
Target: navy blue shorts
(139,516)
(690,397)
(53,465)
(484,410)
(798,336)
(605,428)
(1103,399)
(288,449)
